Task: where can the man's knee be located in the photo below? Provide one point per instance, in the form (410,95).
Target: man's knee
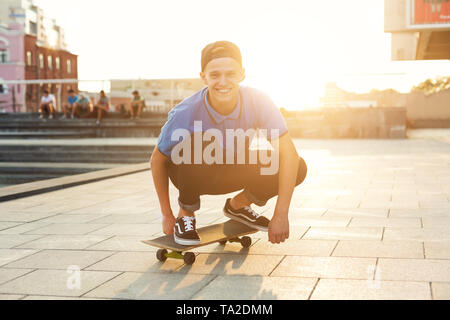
(302,170)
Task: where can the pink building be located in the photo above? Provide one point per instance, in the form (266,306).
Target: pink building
(12,67)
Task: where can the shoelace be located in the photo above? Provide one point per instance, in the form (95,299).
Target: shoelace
(250,210)
(188,226)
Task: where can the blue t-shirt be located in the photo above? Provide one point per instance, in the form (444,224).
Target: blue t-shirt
(254,110)
(71,99)
(84,100)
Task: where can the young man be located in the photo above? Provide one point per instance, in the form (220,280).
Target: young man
(101,107)
(223,112)
(82,105)
(68,107)
(47,106)
(136,105)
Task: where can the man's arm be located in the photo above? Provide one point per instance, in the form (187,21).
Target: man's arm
(279,225)
(160,175)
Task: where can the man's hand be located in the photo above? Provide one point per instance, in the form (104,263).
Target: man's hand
(278,229)
(168,223)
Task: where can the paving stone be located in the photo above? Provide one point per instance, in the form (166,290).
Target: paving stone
(136,262)
(295,247)
(123,243)
(10,274)
(343,233)
(319,222)
(343,289)
(73,218)
(8,241)
(125,218)
(23,217)
(60,259)
(11,297)
(436,222)
(144,230)
(9,255)
(441,290)
(151,286)
(7,225)
(306,212)
(386,222)
(67,228)
(41,297)
(386,249)
(326,267)
(435,204)
(25,227)
(62,283)
(437,250)
(414,270)
(232,264)
(417,234)
(73,242)
(257,288)
(419,213)
(360,212)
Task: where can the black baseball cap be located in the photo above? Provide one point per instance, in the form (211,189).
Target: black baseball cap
(220,49)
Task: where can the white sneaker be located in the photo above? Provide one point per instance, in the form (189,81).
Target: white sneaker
(51,116)
(185,232)
(41,117)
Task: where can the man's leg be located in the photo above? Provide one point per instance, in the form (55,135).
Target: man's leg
(140,107)
(260,188)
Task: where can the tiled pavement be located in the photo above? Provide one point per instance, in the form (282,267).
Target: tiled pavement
(371,221)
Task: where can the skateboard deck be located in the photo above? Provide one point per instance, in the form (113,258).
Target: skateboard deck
(222,232)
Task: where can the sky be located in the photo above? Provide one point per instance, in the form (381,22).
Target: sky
(290,48)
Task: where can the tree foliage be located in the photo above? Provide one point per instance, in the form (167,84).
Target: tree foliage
(430,86)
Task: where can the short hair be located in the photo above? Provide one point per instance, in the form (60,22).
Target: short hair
(46,91)
(135,92)
(71,91)
(220,49)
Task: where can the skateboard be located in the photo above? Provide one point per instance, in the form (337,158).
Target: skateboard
(229,231)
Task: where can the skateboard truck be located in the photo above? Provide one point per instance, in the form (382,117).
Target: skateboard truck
(162,256)
(189,257)
(244,241)
(229,231)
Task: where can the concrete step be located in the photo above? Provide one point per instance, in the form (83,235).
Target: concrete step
(58,115)
(46,134)
(73,156)
(12,173)
(11,179)
(79,148)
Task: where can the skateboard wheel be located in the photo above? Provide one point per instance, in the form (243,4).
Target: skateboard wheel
(161,255)
(246,241)
(224,242)
(189,258)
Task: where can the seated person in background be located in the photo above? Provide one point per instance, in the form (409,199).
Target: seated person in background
(101,107)
(68,107)
(47,106)
(84,104)
(136,105)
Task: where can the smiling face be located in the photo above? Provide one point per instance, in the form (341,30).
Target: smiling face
(222,76)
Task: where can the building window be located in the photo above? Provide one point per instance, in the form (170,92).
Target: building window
(29,58)
(49,62)
(33,27)
(3,89)
(41,60)
(69,66)
(57,63)
(3,56)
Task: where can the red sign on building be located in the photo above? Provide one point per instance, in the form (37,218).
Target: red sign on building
(430,11)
